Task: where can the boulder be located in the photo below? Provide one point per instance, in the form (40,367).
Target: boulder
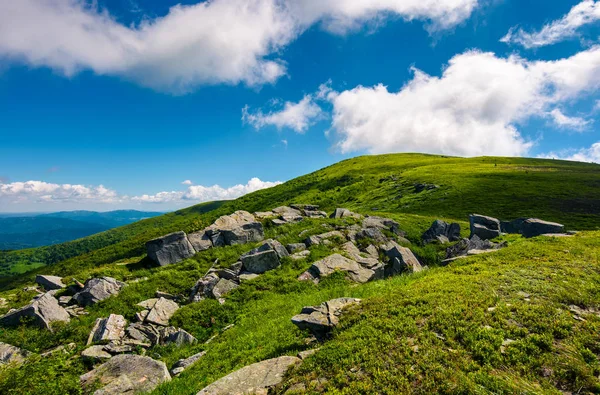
(177,336)
(162,311)
(344,213)
(536,227)
(515,226)
(126,374)
(107,329)
(484,227)
(329,265)
(65,300)
(401,258)
(95,354)
(246,276)
(355,254)
(269,245)
(200,241)
(42,312)
(49,283)
(288,214)
(145,333)
(170,249)
(442,232)
(323,238)
(320,320)
(374,234)
(238,228)
(253,379)
(300,255)
(260,262)
(203,287)
(12,354)
(295,247)
(382,223)
(463,247)
(98,289)
(183,364)
(223,287)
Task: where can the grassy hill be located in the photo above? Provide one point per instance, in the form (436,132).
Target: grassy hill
(443,330)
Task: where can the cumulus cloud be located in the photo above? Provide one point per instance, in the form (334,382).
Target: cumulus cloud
(472,109)
(564,121)
(584,13)
(591,154)
(211,42)
(47,195)
(187,182)
(296,116)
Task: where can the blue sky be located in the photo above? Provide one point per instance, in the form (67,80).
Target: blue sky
(116,106)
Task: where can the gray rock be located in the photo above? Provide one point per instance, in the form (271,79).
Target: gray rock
(200,241)
(42,312)
(63,348)
(264,214)
(177,336)
(95,354)
(463,247)
(514,226)
(382,223)
(126,374)
(223,287)
(268,245)
(314,214)
(288,214)
(320,320)
(323,238)
(442,232)
(300,255)
(329,265)
(148,303)
(236,267)
(162,311)
(144,333)
(253,379)
(238,228)
(261,262)
(536,227)
(295,247)
(183,364)
(344,213)
(228,275)
(49,283)
(11,354)
(484,227)
(107,329)
(65,300)
(98,289)
(373,234)
(170,249)
(355,254)
(203,287)
(401,260)
(246,276)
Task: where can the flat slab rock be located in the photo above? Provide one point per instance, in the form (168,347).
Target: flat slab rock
(98,289)
(253,379)
(320,320)
(126,374)
(533,227)
(162,311)
(170,249)
(329,265)
(44,311)
(107,329)
(49,283)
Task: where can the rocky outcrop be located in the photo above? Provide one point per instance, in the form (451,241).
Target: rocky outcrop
(533,227)
(42,312)
(515,226)
(177,336)
(320,320)
(183,364)
(107,329)
(324,238)
(161,312)
(261,262)
(11,354)
(484,227)
(401,260)
(126,374)
(49,283)
(170,249)
(337,262)
(200,241)
(344,213)
(95,354)
(442,232)
(382,223)
(470,246)
(253,379)
(238,228)
(98,289)
(295,247)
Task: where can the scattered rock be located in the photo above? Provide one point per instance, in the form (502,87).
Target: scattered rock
(419,187)
(288,214)
(183,364)
(65,300)
(76,311)
(43,311)
(442,232)
(374,234)
(238,228)
(246,276)
(320,320)
(401,258)
(95,354)
(253,379)
(536,227)
(160,294)
(223,287)
(484,227)
(148,303)
(344,213)
(382,223)
(98,289)
(463,247)
(170,249)
(323,238)
(260,262)
(49,283)
(65,349)
(305,354)
(295,247)
(107,329)
(177,336)
(200,241)
(126,374)
(162,311)
(514,226)
(12,354)
(203,287)
(300,255)
(329,265)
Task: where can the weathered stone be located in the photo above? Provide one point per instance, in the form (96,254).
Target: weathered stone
(536,227)
(238,228)
(268,245)
(323,238)
(63,348)
(144,333)
(329,265)
(300,255)
(98,289)
(126,374)
(170,249)
(320,320)
(228,274)
(246,276)
(442,232)
(253,379)
(75,311)
(95,353)
(261,262)
(344,213)
(264,214)
(382,223)
(65,300)
(141,315)
(465,245)
(514,226)
(314,214)
(177,336)
(148,303)
(303,207)
(160,294)
(42,312)
(371,233)
(355,254)
(288,214)
(484,227)
(203,287)
(162,311)
(223,287)
(12,354)
(183,364)
(295,247)
(49,283)
(236,267)
(402,259)
(307,353)
(107,329)
(200,241)
(372,251)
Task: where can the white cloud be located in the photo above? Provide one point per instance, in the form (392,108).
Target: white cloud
(211,42)
(564,121)
(471,110)
(591,154)
(584,13)
(297,116)
(187,182)
(40,191)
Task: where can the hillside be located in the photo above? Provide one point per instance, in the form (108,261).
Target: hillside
(521,319)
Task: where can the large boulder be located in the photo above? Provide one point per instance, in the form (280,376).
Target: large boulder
(161,312)
(169,249)
(253,379)
(260,262)
(329,265)
(126,374)
(401,258)
(514,226)
(536,227)
(442,232)
(200,241)
(42,312)
(107,329)
(238,228)
(49,283)
(98,289)
(320,320)
(12,354)
(484,227)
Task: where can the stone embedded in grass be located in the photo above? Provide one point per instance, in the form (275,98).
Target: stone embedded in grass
(382,223)
(484,227)
(261,262)
(49,283)
(536,227)
(320,320)
(200,241)
(42,312)
(176,336)
(401,258)
(95,354)
(170,249)
(238,228)
(337,262)
(300,255)
(442,232)
(253,379)
(323,238)
(107,329)
(162,311)
(223,287)
(183,364)
(344,213)
(98,289)
(11,354)
(472,246)
(295,247)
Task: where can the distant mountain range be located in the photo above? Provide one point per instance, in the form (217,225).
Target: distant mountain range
(19,231)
